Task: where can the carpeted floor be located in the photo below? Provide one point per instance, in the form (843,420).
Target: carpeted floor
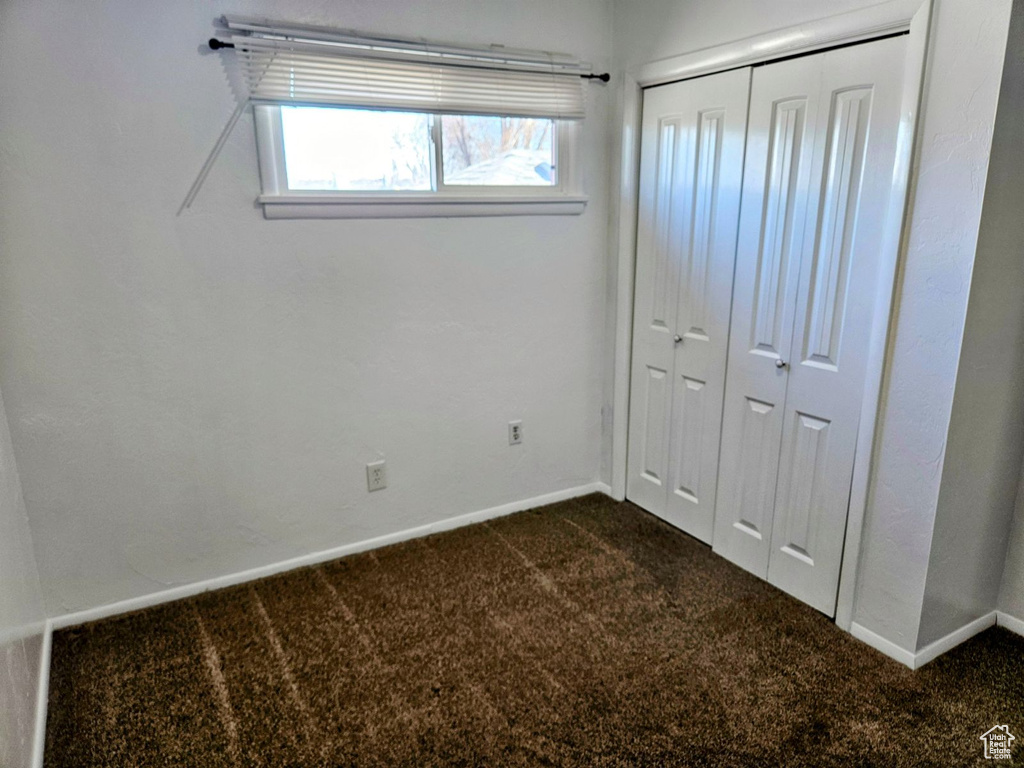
(587,633)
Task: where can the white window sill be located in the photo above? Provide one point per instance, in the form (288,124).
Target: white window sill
(313,206)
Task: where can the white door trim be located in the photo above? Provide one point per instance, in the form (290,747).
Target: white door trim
(864,24)
(894,16)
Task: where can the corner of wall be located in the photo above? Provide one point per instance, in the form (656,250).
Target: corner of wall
(985,442)
(24,641)
(1011,590)
(908,534)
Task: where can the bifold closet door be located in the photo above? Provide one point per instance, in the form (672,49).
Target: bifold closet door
(821,150)
(690,178)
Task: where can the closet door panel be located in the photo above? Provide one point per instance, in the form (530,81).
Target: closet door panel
(712,202)
(691,166)
(776,190)
(854,155)
(663,151)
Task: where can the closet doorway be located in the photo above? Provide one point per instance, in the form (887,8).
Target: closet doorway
(765,197)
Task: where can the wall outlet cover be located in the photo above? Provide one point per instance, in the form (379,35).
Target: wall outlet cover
(515,432)
(376,475)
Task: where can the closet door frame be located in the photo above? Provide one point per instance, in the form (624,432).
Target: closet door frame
(895,17)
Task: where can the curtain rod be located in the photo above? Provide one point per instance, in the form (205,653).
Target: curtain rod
(216,45)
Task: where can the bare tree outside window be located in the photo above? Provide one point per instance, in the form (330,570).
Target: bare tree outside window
(507,151)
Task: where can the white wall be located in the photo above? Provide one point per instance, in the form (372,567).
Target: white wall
(961,89)
(21,615)
(1008,165)
(195,396)
(985,445)
(960,99)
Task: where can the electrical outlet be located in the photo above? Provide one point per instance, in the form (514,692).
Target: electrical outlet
(376,475)
(515,432)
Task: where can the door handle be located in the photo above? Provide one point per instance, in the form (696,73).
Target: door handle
(677,339)
(781,363)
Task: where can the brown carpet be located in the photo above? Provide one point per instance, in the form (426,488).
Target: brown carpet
(586,633)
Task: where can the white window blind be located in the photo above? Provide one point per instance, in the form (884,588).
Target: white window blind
(295,64)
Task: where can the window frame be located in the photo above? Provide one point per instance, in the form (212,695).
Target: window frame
(565,197)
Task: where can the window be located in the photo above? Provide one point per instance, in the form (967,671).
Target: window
(350,162)
(498,151)
(360,150)
(355,126)
(355,149)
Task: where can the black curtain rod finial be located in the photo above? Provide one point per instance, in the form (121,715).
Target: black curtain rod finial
(216,44)
(604,77)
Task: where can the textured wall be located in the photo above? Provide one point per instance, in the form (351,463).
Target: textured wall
(960,99)
(1010,136)
(985,446)
(21,614)
(961,90)
(195,396)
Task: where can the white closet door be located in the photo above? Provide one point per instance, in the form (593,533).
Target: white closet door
(854,154)
(776,188)
(821,151)
(690,176)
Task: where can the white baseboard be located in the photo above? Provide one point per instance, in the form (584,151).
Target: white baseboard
(916,660)
(879,643)
(314,558)
(1009,622)
(42,697)
(953,639)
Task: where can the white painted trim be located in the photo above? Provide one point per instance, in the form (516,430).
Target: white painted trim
(565,198)
(931,651)
(894,16)
(411,207)
(629,192)
(953,639)
(1009,622)
(879,643)
(862,24)
(188,590)
(42,698)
